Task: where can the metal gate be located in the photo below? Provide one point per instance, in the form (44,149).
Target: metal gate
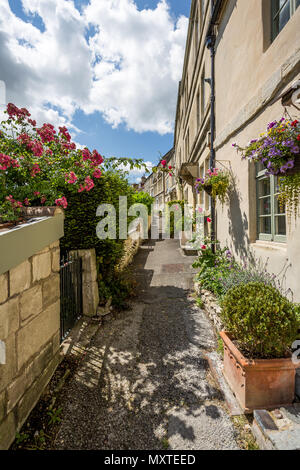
(70,292)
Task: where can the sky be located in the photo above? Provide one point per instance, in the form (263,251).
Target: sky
(107,69)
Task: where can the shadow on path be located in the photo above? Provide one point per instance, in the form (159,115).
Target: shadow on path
(144,382)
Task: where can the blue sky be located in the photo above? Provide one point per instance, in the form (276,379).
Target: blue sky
(106,69)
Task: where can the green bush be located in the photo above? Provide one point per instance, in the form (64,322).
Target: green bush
(80,230)
(143,198)
(260,319)
(170,216)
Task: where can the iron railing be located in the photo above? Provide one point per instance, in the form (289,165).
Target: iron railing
(70,292)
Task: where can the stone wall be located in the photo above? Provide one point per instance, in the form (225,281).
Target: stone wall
(211,306)
(30,333)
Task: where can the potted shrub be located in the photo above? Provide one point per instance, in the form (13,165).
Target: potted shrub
(215,183)
(278,150)
(261,326)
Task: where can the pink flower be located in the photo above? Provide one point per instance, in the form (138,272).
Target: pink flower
(86,154)
(97,159)
(19,113)
(13,202)
(71,178)
(43,199)
(46,133)
(62,201)
(35,170)
(36,193)
(163,163)
(64,131)
(37,148)
(89,183)
(200,210)
(170,167)
(26,201)
(203,247)
(208,220)
(97,173)
(6,161)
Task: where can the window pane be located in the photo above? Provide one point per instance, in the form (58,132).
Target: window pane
(265,225)
(265,206)
(281,13)
(264,187)
(280,225)
(279,209)
(284,15)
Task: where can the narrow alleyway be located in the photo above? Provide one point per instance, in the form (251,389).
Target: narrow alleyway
(144,382)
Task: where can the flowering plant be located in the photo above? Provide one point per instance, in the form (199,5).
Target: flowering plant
(279,151)
(40,165)
(163,167)
(215,182)
(37,163)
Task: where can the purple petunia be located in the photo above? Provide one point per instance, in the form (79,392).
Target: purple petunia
(290,164)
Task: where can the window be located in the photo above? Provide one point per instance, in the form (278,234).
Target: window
(202,10)
(198,110)
(197,33)
(282,10)
(271,218)
(187,145)
(202,93)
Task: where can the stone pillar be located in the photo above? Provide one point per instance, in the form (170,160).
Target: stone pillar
(90,291)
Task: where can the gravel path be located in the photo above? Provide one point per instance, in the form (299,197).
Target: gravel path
(144,382)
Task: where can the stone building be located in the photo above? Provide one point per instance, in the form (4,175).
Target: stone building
(254,48)
(161,185)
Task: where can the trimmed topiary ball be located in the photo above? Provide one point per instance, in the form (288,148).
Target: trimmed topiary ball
(260,320)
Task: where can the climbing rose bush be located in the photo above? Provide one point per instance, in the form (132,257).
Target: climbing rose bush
(39,165)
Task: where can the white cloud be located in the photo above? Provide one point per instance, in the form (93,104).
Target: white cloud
(127,67)
(136,174)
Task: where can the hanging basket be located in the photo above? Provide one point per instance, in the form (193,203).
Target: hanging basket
(291,171)
(296,169)
(208,189)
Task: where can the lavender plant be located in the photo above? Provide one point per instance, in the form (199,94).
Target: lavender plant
(256,271)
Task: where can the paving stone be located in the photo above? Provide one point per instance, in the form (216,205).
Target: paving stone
(278,431)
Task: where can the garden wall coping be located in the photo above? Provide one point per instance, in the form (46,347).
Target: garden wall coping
(19,243)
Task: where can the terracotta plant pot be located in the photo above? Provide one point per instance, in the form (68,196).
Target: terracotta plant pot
(259,383)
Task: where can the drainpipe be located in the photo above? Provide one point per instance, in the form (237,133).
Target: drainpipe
(210,44)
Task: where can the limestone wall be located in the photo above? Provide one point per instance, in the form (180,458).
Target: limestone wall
(29,334)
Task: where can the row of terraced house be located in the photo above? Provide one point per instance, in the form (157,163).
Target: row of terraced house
(241,60)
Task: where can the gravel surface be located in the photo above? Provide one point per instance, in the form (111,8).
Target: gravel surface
(144,382)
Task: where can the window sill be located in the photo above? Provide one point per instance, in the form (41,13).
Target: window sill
(269,245)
